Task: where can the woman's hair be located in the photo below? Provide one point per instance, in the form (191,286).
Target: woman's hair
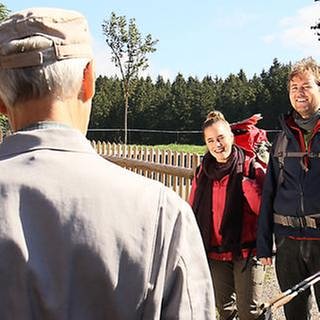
(213,117)
(61,79)
(306,64)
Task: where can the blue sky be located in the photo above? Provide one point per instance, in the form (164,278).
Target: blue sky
(205,37)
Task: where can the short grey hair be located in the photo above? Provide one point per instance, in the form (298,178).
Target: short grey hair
(61,80)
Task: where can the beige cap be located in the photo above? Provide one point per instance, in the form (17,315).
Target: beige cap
(58,34)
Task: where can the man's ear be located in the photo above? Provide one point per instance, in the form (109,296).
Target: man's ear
(87,88)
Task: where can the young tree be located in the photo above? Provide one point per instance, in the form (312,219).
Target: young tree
(129,53)
(4,11)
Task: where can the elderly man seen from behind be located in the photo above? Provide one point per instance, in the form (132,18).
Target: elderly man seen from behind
(81,238)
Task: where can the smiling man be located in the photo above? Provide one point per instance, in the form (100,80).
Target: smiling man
(290,203)
(304,93)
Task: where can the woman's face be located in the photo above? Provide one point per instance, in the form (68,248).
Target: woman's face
(219,140)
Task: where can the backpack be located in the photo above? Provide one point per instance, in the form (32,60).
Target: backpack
(251,139)
(280,152)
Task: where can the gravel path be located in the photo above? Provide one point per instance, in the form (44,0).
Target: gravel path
(272,290)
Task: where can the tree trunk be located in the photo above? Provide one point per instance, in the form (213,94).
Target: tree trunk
(126,106)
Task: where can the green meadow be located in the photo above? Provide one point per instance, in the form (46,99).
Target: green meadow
(187,148)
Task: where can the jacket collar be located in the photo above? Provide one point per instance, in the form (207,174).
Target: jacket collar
(287,121)
(50,138)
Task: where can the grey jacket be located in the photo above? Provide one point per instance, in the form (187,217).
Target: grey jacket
(81,238)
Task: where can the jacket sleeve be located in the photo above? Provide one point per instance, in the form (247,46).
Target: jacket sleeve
(180,285)
(265,220)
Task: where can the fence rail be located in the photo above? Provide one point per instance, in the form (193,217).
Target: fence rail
(174,169)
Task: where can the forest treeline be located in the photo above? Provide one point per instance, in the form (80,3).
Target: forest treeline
(184,103)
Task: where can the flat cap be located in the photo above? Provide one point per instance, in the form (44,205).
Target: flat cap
(54,34)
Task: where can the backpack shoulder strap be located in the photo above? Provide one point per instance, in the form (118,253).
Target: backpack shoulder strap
(280,150)
(248,166)
(252,170)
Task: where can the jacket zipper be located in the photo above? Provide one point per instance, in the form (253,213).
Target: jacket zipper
(301,200)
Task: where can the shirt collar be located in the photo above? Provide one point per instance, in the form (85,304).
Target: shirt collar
(45,125)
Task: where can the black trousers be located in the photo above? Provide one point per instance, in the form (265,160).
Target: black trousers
(295,261)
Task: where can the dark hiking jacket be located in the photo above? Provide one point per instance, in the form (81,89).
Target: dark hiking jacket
(298,195)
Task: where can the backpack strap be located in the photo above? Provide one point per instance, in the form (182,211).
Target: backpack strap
(250,172)
(252,169)
(246,165)
(280,152)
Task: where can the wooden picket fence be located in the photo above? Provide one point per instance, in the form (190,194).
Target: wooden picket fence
(174,169)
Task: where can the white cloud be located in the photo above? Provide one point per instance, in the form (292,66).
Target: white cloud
(295,32)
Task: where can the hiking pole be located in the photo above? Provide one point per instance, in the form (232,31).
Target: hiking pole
(287,296)
(300,287)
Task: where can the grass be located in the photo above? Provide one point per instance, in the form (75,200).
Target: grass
(182,148)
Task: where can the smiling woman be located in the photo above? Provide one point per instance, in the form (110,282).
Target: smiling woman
(225,198)
(218,136)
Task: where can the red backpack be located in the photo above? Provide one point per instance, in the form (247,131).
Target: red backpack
(251,139)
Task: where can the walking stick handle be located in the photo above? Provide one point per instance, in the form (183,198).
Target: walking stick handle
(284,300)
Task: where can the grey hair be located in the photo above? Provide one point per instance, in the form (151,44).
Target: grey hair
(61,79)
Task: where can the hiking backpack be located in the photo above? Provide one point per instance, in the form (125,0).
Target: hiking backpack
(251,139)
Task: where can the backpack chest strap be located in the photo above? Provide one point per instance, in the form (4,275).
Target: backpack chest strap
(297,154)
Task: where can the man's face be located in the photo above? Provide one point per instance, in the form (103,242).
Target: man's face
(219,140)
(304,94)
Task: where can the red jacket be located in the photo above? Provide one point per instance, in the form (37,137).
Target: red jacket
(252,189)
